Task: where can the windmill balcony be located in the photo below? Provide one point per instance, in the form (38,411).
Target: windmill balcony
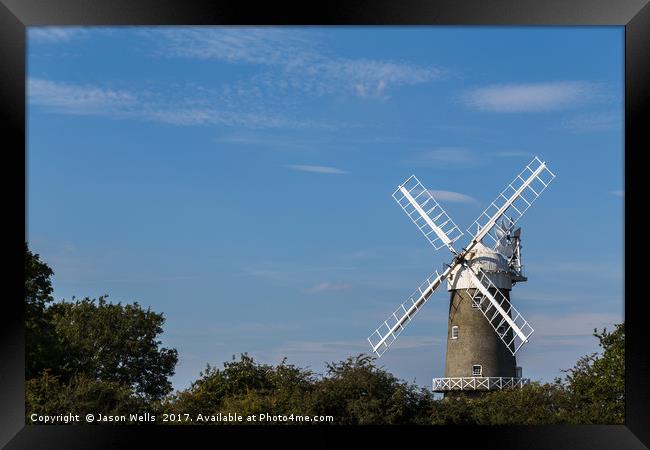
(477,383)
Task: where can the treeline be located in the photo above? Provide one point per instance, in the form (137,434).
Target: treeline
(92,356)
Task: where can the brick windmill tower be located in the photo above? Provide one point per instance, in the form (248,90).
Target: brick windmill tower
(485,330)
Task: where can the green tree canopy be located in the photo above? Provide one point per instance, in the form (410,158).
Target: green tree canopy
(597,382)
(46,394)
(533,404)
(353,391)
(591,393)
(90,355)
(41,351)
(356,391)
(114,342)
(246,387)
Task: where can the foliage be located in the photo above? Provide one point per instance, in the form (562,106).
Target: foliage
(534,404)
(114,342)
(94,356)
(597,383)
(41,351)
(46,394)
(592,393)
(246,387)
(90,355)
(355,391)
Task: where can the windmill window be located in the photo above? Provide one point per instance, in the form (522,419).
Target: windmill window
(477,370)
(454,332)
(475,304)
(501,329)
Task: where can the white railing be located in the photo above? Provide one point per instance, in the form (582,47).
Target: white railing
(477,383)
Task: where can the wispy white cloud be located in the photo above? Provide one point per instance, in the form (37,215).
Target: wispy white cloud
(230,44)
(531,97)
(326,286)
(191,108)
(316,169)
(304,65)
(618,193)
(294,65)
(336,76)
(189,116)
(453,197)
(447,157)
(78,99)
(363,90)
(52,35)
(612,120)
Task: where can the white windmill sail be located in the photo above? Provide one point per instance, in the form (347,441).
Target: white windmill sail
(507,322)
(425,212)
(388,331)
(511,204)
(423,209)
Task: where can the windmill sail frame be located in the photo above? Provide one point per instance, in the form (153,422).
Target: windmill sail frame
(388,331)
(500,312)
(511,203)
(440,230)
(420,206)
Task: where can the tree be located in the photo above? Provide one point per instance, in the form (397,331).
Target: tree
(114,342)
(355,391)
(533,404)
(89,355)
(591,393)
(597,382)
(94,356)
(41,351)
(246,387)
(47,395)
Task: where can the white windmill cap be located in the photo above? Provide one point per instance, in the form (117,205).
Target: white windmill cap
(491,262)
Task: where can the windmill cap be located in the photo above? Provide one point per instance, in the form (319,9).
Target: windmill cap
(493,263)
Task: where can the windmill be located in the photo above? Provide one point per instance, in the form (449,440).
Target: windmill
(485,330)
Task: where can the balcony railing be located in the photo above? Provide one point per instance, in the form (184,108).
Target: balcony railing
(477,383)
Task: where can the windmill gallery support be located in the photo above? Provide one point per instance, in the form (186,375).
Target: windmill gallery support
(485,330)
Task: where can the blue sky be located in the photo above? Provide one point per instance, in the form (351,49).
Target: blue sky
(239,180)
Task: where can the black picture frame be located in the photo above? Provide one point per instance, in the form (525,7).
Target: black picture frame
(16,15)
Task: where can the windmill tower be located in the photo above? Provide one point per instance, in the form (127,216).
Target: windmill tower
(485,329)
